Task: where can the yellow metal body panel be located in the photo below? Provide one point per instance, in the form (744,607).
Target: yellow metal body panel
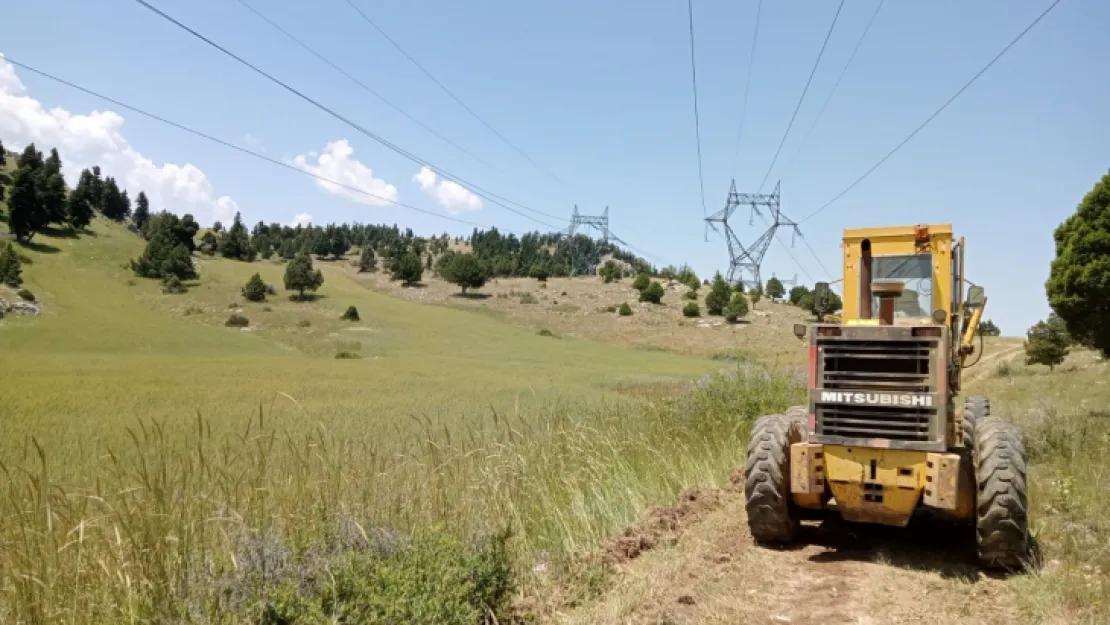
(896,240)
(807,475)
(875,485)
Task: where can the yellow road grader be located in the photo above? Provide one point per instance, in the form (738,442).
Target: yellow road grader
(882,436)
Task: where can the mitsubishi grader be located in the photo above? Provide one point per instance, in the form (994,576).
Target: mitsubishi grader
(883,437)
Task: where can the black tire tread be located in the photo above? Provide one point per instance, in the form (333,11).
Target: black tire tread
(1002,506)
(976,407)
(772,516)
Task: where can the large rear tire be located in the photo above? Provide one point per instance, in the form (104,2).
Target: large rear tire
(1002,511)
(772,515)
(976,407)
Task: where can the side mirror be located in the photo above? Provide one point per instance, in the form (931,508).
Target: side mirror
(975,297)
(821,297)
(800,330)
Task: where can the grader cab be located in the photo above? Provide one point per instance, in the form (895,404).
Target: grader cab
(882,436)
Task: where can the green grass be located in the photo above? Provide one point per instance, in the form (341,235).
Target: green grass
(106,353)
(156,463)
(1065,418)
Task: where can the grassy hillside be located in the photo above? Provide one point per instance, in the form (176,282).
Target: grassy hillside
(156,463)
(112,348)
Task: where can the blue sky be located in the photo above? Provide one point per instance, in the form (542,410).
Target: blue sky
(599,94)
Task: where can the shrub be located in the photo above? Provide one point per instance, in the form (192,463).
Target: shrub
(641,282)
(737,308)
(796,294)
(653,293)
(26,295)
(348,350)
(625,310)
(304,323)
(545,332)
(690,295)
(611,308)
(171,285)
(237,321)
(1047,342)
(610,271)
(351,314)
(527,298)
(255,289)
(691,309)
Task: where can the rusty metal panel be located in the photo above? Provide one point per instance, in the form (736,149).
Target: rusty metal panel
(942,477)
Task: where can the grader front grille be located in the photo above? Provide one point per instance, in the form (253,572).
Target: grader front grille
(878,386)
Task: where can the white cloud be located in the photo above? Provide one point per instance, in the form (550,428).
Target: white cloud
(97,138)
(450,194)
(336,164)
(300,219)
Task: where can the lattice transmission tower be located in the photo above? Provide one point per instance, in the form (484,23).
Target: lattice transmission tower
(598,222)
(745,261)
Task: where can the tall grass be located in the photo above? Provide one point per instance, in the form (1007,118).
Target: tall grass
(177,525)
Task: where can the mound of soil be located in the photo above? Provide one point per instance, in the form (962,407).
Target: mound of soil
(662,525)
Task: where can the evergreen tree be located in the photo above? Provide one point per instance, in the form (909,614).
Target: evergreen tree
(737,308)
(988,328)
(775,289)
(255,289)
(96,190)
(718,296)
(52,189)
(653,293)
(79,204)
(610,272)
(235,243)
(114,203)
(208,243)
(30,159)
(407,268)
(756,294)
(25,212)
(465,270)
(1078,285)
(142,211)
(300,276)
(165,255)
(10,265)
(1047,342)
(796,294)
(366,260)
(641,282)
(3,154)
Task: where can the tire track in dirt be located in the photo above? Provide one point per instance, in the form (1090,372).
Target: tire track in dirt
(706,569)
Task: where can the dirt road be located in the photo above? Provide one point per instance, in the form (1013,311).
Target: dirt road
(700,566)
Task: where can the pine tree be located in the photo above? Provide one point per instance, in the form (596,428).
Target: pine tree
(79,204)
(112,201)
(737,307)
(235,243)
(366,260)
(255,289)
(407,268)
(300,277)
(26,215)
(718,296)
(142,211)
(208,243)
(52,189)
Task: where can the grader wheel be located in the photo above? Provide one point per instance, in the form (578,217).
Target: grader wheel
(772,516)
(1002,516)
(976,407)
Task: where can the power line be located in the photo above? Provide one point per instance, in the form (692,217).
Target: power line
(697,120)
(817,258)
(937,112)
(228,144)
(453,96)
(835,86)
(416,159)
(801,99)
(360,83)
(747,85)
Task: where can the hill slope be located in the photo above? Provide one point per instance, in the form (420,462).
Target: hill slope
(111,348)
